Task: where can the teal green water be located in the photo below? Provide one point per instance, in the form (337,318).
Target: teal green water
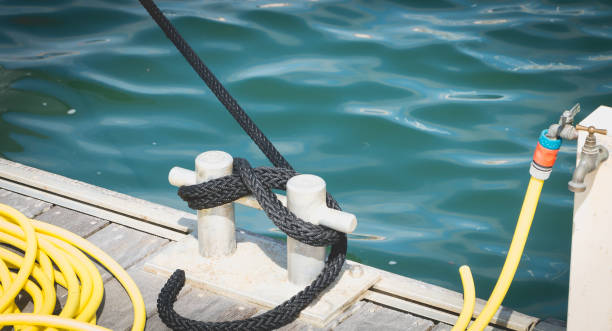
(421,118)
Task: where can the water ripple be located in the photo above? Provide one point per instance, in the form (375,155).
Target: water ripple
(124,85)
(422,117)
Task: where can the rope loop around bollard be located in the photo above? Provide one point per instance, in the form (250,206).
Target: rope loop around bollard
(259,182)
(256,182)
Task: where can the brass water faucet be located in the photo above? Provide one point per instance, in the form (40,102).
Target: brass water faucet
(590,157)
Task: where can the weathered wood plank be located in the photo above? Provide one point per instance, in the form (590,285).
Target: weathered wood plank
(550,325)
(154,323)
(374,317)
(205,306)
(126,246)
(30,207)
(442,327)
(444,299)
(446,327)
(73,221)
(117,312)
(77,190)
(415,308)
(299,325)
(410,306)
(92,210)
(130,247)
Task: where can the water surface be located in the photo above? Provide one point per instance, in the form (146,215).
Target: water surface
(421,118)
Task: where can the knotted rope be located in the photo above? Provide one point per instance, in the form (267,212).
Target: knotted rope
(259,182)
(246,180)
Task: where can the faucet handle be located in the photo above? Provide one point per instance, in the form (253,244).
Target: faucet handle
(591,129)
(568,115)
(564,128)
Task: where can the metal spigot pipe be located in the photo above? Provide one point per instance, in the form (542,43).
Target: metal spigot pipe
(590,157)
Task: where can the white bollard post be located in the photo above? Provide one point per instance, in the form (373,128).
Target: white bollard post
(216,226)
(306,199)
(331,218)
(180,176)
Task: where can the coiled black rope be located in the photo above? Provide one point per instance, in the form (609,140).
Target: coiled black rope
(246,180)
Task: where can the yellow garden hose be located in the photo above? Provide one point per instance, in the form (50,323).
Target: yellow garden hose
(55,255)
(48,321)
(514,255)
(469,299)
(543,160)
(507,274)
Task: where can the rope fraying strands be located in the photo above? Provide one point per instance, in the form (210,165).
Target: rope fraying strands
(246,180)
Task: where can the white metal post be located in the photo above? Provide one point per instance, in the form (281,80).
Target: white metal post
(306,199)
(216,226)
(590,283)
(305,194)
(334,219)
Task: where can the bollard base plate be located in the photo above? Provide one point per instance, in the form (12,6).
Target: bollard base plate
(256,272)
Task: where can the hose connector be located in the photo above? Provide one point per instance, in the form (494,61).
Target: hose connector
(544,156)
(565,129)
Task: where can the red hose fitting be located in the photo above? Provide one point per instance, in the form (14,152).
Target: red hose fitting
(544,156)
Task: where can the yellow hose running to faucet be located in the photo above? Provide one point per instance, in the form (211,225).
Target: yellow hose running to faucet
(514,255)
(54,255)
(544,158)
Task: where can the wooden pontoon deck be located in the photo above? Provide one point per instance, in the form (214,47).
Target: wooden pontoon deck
(394,303)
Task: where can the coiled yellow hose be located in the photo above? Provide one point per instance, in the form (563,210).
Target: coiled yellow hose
(55,255)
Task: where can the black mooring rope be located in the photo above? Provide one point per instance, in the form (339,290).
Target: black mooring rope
(216,87)
(246,180)
(259,181)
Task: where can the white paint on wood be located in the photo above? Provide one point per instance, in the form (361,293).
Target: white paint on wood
(92,210)
(89,194)
(590,290)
